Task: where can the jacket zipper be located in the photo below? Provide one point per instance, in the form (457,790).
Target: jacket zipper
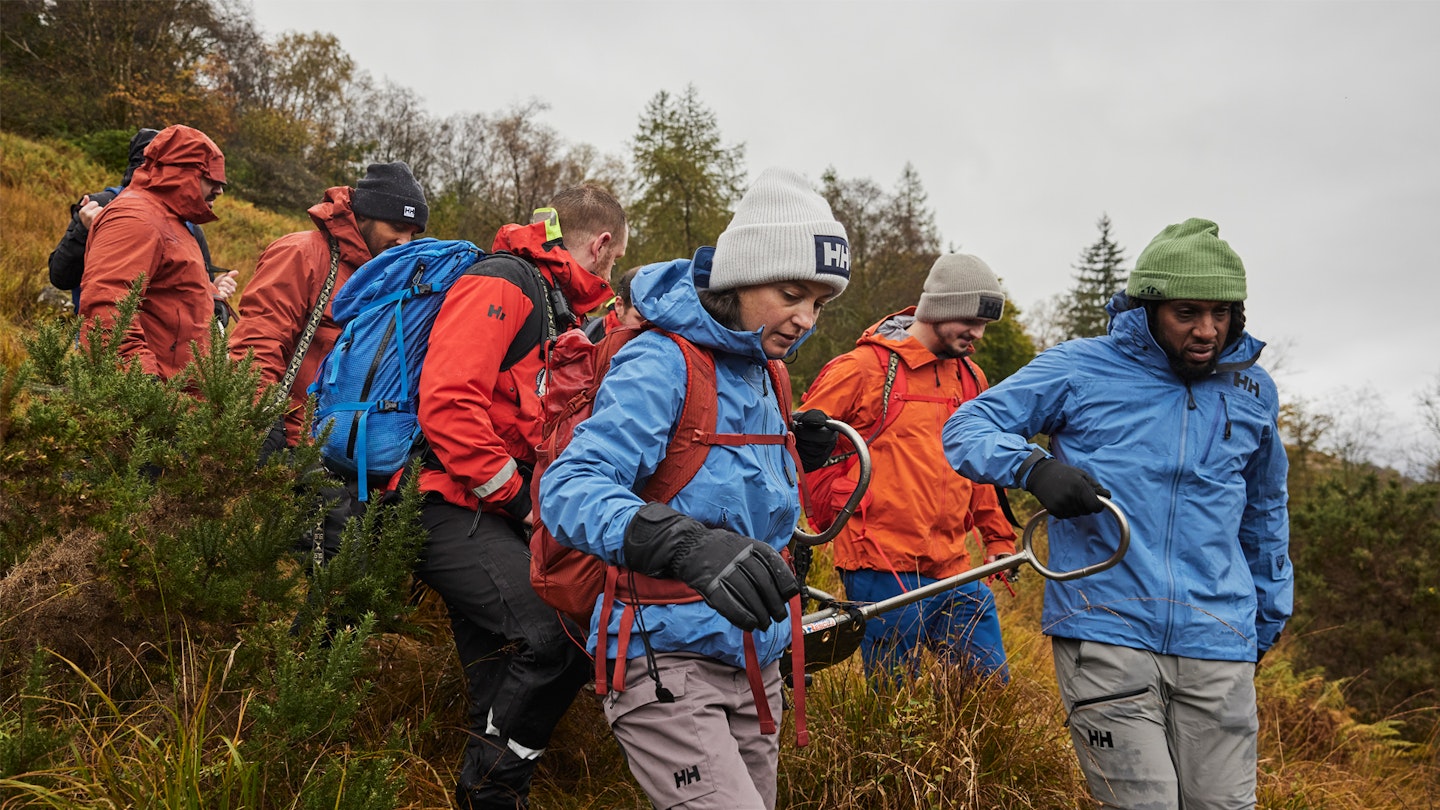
(1170,518)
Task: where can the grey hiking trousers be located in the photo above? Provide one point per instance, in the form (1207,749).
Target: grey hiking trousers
(1160,732)
(704,750)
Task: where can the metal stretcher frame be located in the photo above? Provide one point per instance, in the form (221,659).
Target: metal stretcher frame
(833,633)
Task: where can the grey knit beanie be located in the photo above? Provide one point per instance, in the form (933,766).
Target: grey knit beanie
(389,192)
(960,286)
(782,231)
(1191,261)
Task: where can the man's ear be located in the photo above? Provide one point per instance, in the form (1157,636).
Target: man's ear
(601,242)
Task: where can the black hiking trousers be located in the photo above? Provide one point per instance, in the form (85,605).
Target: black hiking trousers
(523,663)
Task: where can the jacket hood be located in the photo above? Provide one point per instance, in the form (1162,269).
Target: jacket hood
(666,294)
(174,163)
(138,143)
(585,291)
(333,215)
(1130,328)
(890,332)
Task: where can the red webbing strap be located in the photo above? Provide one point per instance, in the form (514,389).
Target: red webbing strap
(736,439)
(622,646)
(602,686)
(757,686)
(684,456)
(950,401)
(797,671)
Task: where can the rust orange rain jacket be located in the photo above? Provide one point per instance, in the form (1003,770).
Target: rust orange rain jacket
(143,232)
(276,303)
(918,511)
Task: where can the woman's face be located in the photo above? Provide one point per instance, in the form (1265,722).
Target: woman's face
(785,310)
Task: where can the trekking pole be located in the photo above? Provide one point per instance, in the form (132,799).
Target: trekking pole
(833,633)
(862,455)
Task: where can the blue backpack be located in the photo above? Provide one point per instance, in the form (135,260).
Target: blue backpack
(367,388)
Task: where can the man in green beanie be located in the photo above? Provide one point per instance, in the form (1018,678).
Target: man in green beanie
(1156,656)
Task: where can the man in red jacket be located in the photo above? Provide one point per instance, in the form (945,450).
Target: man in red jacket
(386,208)
(905,377)
(143,234)
(480,411)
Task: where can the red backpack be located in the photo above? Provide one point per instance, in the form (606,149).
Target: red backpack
(570,580)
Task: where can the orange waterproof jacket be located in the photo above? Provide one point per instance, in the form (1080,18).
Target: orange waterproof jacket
(483,424)
(143,232)
(276,303)
(918,511)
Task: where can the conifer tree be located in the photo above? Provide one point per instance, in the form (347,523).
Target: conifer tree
(1098,276)
(686,179)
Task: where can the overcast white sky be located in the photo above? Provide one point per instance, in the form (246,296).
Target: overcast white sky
(1309,131)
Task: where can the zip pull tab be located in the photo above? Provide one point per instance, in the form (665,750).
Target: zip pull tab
(1225,406)
(1190,396)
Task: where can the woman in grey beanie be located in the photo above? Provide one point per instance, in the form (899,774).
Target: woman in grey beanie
(692,738)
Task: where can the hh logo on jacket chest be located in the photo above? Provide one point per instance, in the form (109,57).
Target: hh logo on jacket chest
(1244,383)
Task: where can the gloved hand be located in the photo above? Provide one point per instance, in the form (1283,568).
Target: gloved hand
(274,442)
(745,580)
(519,505)
(1065,491)
(1012,576)
(814,442)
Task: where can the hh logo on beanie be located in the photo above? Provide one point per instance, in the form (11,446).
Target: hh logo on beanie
(832,255)
(782,231)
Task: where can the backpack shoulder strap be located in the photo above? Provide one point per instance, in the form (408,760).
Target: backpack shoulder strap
(312,324)
(893,392)
(975,383)
(686,453)
(539,325)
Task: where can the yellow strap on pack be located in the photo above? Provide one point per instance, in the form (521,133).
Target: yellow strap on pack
(551,218)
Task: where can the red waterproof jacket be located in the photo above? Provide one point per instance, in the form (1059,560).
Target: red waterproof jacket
(143,232)
(276,303)
(483,423)
(919,510)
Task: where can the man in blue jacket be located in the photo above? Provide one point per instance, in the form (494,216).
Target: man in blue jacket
(1155,657)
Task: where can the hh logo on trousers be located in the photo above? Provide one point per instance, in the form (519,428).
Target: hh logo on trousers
(683,778)
(832,255)
(1101,739)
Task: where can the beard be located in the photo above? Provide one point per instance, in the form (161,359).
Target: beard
(1190,372)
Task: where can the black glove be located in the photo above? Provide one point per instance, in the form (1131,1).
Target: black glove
(814,442)
(745,580)
(1065,491)
(518,507)
(274,442)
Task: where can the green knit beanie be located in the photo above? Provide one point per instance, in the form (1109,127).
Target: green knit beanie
(1189,261)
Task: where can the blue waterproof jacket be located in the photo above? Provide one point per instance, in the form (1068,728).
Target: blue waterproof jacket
(587,496)
(1198,468)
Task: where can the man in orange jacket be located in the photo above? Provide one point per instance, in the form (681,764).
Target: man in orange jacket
(385,209)
(143,233)
(480,410)
(907,374)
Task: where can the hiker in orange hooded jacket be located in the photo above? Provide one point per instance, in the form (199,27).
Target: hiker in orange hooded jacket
(912,524)
(385,209)
(143,233)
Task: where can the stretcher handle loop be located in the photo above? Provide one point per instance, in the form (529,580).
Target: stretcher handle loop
(862,454)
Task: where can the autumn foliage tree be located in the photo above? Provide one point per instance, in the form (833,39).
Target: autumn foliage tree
(69,68)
